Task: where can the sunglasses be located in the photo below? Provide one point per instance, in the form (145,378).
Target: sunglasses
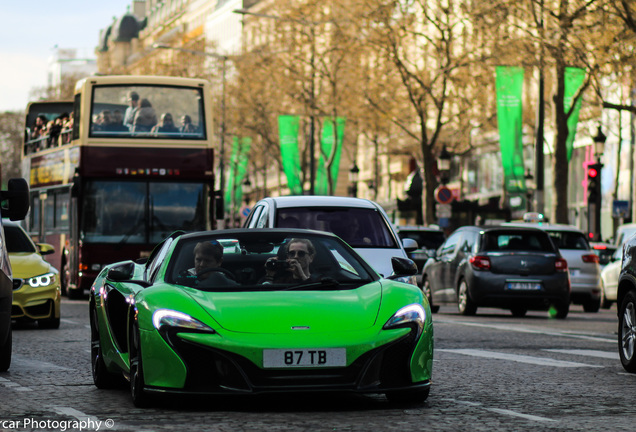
(297,254)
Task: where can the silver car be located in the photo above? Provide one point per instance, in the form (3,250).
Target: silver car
(583,263)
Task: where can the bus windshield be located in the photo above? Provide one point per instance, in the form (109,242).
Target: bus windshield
(147,111)
(140,211)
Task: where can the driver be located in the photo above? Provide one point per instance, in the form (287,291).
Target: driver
(208,257)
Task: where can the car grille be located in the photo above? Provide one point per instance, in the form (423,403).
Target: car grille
(214,370)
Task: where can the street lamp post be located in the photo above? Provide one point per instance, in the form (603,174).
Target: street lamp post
(312,88)
(595,198)
(222,126)
(528,179)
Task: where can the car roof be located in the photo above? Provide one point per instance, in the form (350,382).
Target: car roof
(320,201)
(546,226)
(254,232)
(417,228)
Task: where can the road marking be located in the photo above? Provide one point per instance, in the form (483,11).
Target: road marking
(72,412)
(21,363)
(518,358)
(587,353)
(68,321)
(12,385)
(521,329)
(502,411)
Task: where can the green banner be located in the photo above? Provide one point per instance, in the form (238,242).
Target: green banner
(509,80)
(574,78)
(329,155)
(288,135)
(236,172)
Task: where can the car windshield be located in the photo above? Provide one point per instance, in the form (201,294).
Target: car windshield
(17,240)
(569,240)
(517,241)
(361,228)
(425,239)
(266,261)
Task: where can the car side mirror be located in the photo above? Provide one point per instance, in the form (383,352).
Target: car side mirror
(121,272)
(402,267)
(14,202)
(45,248)
(410,245)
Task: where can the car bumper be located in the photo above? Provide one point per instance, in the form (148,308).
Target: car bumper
(209,367)
(489,290)
(36,303)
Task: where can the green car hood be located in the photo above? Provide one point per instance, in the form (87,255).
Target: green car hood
(282,311)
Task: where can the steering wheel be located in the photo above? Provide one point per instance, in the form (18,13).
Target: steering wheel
(226,272)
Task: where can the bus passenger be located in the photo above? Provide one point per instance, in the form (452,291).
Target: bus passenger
(145,117)
(39,128)
(165,126)
(186,125)
(117,125)
(129,115)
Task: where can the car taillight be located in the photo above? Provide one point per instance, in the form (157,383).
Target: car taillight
(480,262)
(591,258)
(561,265)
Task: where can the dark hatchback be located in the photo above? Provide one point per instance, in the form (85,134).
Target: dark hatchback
(504,267)
(626,301)
(428,240)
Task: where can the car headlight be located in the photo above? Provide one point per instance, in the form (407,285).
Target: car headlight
(42,280)
(166,319)
(411,315)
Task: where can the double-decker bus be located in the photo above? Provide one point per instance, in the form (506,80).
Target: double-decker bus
(131,164)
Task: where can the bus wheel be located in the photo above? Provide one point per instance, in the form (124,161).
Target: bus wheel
(63,281)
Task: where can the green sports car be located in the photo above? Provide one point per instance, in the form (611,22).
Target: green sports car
(248,311)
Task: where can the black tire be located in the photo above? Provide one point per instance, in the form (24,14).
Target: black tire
(592,305)
(627,332)
(140,398)
(49,323)
(101,377)
(426,289)
(74,294)
(5,353)
(465,305)
(561,309)
(408,396)
(518,312)
(63,281)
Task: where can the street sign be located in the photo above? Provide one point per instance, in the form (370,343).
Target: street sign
(443,195)
(246,211)
(443,210)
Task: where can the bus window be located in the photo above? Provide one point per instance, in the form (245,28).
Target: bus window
(61,209)
(34,217)
(144,111)
(49,212)
(176,206)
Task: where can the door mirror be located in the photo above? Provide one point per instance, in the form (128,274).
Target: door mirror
(45,248)
(15,200)
(402,267)
(121,272)
(409,245)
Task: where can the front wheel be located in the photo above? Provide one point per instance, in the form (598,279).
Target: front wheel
(592,305)
(49,323)
(464,304)
(426,289)
(627,332)
(101,377)
(408,396)
(140,398)
(5,353)
(518,312)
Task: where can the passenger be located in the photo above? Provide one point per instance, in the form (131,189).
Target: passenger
(299,255)
(208,257)
(54,132)
(165,126)
(117,125)
(186,125)
(39,128)
(129,115)
(145,117)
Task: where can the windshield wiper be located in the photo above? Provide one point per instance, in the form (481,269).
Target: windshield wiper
(322,283)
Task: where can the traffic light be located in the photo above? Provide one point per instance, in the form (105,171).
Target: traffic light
(594,183)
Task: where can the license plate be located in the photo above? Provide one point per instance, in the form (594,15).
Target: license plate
(575,272)
(312,357)
(518,286)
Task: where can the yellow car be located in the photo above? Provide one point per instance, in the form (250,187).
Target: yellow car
(36,283)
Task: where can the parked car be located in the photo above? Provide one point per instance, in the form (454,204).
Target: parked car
(362,223)
(15,205)
(343,328)
(623,233)
(583,263)
(428,240)
(508,267)
(626,301)
(36,283)
(609,280)
(604,251)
